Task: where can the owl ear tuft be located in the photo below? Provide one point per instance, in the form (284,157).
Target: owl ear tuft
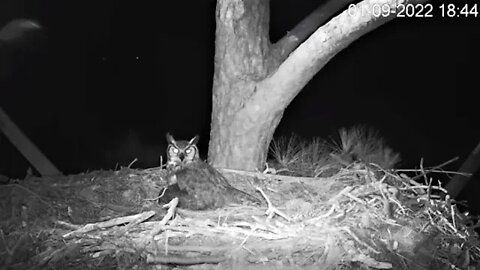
(170,139)
(194,140)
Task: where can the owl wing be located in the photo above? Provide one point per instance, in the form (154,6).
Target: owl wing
(198,181)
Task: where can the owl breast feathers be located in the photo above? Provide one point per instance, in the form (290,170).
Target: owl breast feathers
(199,186)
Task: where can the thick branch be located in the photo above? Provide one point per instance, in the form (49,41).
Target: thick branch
(282,48)
(300,67)
(470,166)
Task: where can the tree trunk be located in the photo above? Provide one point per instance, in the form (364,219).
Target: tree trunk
(244,139)
(242,46)
(254,81)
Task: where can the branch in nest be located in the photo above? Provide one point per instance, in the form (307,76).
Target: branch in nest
(172,206)
(110,223)
(143,216)
(272,210)
(259,175)
(184,260)
(159,196)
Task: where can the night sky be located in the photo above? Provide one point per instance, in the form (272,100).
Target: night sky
(107,79)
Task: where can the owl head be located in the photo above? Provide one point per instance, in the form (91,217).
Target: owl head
(181,152)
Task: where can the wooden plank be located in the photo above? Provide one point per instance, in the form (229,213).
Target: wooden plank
(36,158)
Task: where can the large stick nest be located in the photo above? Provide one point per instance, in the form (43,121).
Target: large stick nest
(361,217)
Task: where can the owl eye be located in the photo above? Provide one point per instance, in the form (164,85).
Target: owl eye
(175,150)
(188,150)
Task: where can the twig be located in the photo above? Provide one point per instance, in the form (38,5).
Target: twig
(346,229)
(269,170)
(143,216)
(107,224)
(184,260)
(158,197)
(423,173)
(429,190)
(152,169)
(452,210)
(316,219)
(424,187)
(199,248)
(131,163)
(445,163)
(335,199)
(272,210)
(399,205)
(371,262)
(260,175)
(165,243)
(68,225)
(249,250)
(355,198)
(432,169)
(236,231)
(172,205)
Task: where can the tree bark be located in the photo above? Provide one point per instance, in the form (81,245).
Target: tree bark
(241,47)
(253,85)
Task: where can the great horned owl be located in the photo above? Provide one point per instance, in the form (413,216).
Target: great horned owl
(197,185)
(181,152)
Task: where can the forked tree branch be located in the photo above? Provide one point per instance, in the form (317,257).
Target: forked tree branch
(302,64)
(282,48)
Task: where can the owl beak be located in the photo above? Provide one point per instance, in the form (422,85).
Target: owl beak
(181,156)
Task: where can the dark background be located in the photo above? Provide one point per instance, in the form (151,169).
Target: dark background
(107,79)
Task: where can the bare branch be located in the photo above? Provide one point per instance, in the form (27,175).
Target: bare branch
(302,64)
(470,166)
(282,48)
